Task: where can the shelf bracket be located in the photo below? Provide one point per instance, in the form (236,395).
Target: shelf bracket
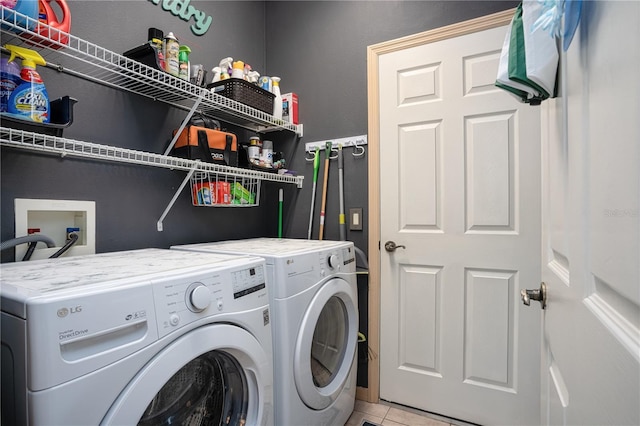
(175,196)
(183,125)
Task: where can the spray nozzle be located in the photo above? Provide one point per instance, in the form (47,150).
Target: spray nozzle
(275,81)
(183,53)
(226,64)
(30,58)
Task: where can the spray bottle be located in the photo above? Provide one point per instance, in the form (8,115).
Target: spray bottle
(225,68)
(253,77)
(29,100)
(216,74)
(277,101)
(185,66)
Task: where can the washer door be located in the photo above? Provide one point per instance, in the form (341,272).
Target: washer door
(214,375)
(326,344)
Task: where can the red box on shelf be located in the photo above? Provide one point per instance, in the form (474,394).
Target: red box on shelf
(290,108)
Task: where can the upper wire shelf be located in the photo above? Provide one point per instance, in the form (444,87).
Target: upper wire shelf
(72,55)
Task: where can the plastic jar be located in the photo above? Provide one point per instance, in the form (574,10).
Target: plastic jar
(267,153)
(254,149)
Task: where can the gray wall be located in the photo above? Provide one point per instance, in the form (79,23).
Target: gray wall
(130,199)
(319,50)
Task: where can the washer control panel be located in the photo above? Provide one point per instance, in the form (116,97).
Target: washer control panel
(180,301)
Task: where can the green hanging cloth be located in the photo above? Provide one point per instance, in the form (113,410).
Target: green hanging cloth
(524,93)
(518,59)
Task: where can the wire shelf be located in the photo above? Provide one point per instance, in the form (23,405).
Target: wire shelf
(69,54)
(74,148)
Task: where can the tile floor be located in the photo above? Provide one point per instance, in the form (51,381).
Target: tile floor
(389,414)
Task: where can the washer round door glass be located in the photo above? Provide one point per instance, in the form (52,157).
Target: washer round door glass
(217,374)
(329,342)
(210,390)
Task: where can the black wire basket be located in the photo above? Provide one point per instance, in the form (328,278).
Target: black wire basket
(244,92)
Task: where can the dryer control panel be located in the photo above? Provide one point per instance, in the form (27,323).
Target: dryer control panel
(341,259)
(305,270)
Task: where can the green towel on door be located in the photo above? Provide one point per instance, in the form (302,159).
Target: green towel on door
(529,60)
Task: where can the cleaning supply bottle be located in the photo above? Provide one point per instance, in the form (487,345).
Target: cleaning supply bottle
(57,29)
(172,54)
(183,59)
(225,68)
(238,70)
(9,80)
(216,74)
(277,101)
(155,40)
(29,8)
(29,100)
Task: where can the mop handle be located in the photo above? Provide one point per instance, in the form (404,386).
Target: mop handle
(324,188)
(280,203)
(316,166)
(341,218)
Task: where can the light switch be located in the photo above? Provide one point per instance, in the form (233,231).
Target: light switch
(355,219)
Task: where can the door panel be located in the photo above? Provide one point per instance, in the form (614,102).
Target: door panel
(459,175)
(591,226)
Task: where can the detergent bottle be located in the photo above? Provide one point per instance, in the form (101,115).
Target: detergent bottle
(57,30)
(28,8)
(29,100)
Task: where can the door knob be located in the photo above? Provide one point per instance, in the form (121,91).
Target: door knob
(537,294)
(391,246)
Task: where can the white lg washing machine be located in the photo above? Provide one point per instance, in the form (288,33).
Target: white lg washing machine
(144,337)
(315,325)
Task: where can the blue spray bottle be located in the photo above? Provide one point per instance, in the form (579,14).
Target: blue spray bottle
(29,99)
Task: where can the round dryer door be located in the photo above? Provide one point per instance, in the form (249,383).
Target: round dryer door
(326,344)
(214,375)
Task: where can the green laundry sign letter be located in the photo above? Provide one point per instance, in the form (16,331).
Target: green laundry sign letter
(183,10)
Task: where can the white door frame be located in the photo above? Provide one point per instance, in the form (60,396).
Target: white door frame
(372,392)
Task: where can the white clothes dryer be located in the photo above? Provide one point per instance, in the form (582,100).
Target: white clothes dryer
(314,305)
(138,337)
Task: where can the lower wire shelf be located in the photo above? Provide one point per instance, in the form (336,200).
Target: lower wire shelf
(243,184)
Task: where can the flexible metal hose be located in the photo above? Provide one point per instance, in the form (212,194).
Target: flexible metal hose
(27,239)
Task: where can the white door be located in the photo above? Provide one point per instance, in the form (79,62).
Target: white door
(460,189)
(591,232)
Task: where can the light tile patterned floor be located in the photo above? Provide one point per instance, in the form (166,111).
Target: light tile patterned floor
(387,414)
